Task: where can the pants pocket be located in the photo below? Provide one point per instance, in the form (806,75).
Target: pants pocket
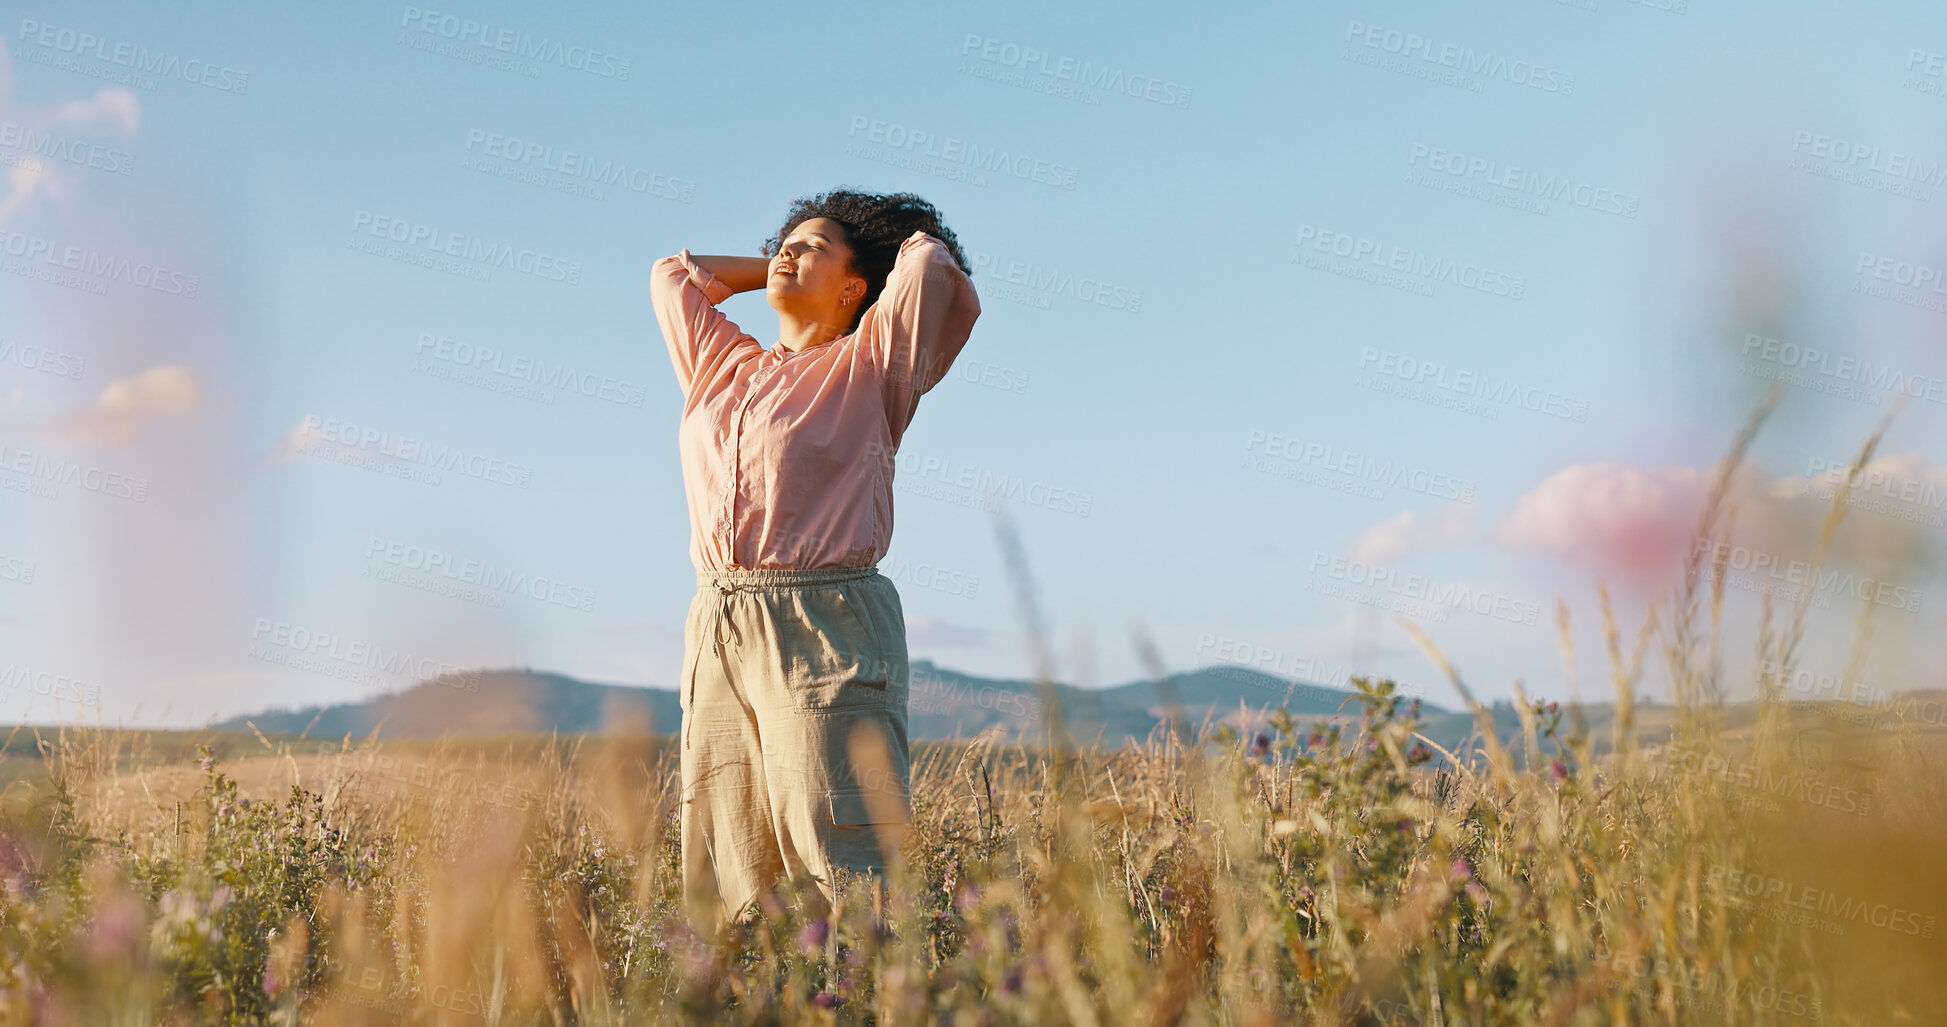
(832,658)
(888,620)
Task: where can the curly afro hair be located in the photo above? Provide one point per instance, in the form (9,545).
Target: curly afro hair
(875,225)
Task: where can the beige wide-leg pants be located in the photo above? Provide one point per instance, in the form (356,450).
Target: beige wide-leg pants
(794,749)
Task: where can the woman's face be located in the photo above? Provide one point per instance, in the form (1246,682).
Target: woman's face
(811,277)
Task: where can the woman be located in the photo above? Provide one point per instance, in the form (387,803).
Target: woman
(794,753)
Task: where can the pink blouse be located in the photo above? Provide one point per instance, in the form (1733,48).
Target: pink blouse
(788,457)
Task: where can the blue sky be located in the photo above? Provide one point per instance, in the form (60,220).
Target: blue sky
(1292,321)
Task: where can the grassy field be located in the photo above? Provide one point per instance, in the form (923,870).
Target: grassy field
(1763,863)
(1303,878)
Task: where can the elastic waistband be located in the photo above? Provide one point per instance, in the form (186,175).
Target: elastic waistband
(782,576)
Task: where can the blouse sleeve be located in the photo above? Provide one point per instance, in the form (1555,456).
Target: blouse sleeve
(702,341)
(918,325)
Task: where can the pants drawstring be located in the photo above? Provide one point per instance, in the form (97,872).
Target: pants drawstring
(723,614)
(716,648)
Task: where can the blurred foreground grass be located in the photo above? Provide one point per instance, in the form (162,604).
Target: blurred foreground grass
(1325,877)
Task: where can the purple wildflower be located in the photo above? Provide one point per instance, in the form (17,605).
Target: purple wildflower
(814,935)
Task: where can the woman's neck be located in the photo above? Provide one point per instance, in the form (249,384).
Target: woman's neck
(799,334)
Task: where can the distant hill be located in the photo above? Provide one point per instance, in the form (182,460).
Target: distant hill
(944,704)
(502,702)
(947,704)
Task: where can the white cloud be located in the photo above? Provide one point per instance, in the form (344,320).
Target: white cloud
(1408,534)
(124,405)
(23,181)
(118,109)
(113,108)
(1635,523)
(295,442)
(1611,517)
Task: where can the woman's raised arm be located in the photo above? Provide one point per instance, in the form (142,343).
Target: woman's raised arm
(741,274)
(918,324)
(685,293)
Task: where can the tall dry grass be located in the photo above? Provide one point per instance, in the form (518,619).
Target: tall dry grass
(1314,874)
